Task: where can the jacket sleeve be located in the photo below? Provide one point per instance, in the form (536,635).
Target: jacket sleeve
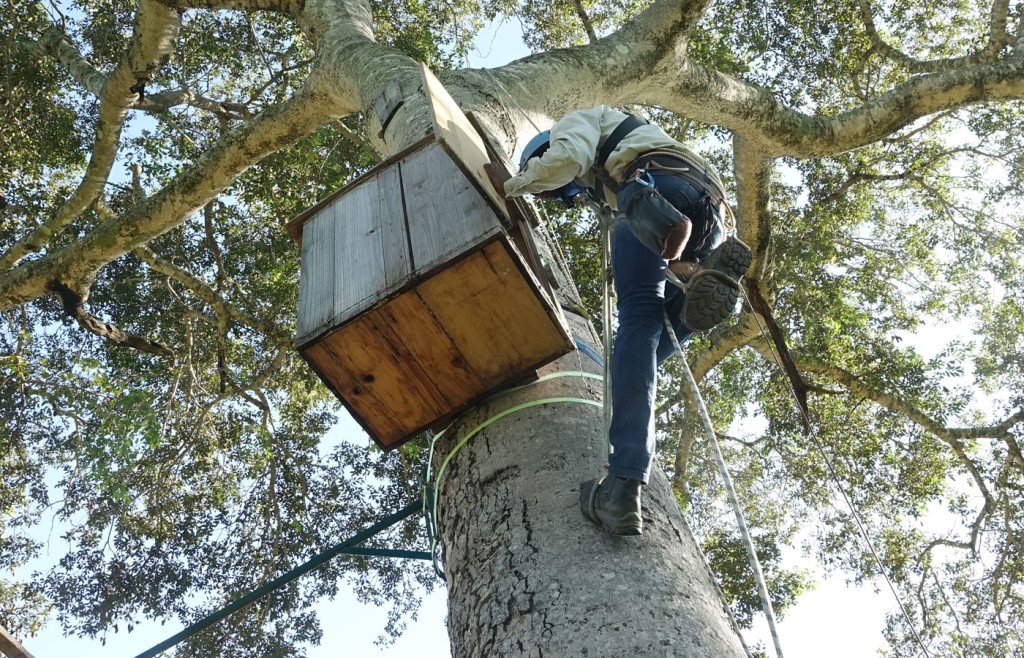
(574,141)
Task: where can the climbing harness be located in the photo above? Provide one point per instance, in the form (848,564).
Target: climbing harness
(642,177)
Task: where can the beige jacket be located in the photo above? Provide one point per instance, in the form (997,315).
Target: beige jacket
(575,141)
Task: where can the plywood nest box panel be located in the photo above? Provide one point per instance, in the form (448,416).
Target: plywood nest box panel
(415,300)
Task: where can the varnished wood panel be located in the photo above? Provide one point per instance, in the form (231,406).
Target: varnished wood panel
(433,349)
(370,412)
(445,212)
(471,328)
(384,384)
(493,316)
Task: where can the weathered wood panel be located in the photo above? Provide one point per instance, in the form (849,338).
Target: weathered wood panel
(458,136)
(358,251)
(394,235)
(295,224)
(445,212)
(316,284)
(10,647)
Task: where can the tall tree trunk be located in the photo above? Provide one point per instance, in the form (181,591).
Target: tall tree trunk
(529,576)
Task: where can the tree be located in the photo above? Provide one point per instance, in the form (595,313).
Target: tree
(152,150)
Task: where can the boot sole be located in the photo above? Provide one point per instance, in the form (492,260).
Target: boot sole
(711,297)
(732,258)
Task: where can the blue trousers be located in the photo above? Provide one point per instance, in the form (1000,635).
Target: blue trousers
(641,342)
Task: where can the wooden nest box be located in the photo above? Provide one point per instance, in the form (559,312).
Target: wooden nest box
(415,300)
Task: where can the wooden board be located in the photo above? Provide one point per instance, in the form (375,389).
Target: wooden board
(492,314)
(379,380)
(295,224)
(458,136)
(394,232)
(10,647)
(358,251)
(316,284)
(445,212)
(432,348)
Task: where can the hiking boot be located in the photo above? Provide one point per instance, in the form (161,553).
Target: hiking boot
(732,258)
(711,294)
(614,504)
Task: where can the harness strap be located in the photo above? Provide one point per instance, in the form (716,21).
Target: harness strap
(603,178)
(626,126)
(679,165)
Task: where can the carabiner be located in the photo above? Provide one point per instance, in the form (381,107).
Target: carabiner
(643,177)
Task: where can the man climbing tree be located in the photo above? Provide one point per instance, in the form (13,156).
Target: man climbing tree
(151,151)
(671,205)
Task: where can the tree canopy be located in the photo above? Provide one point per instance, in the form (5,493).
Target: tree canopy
(151,400)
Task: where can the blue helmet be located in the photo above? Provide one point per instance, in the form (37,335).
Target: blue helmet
(535,147)
(568,193)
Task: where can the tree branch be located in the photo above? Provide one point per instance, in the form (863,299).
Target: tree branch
(153,39)
(760,305)
(204,292)
(723,341)
(165,100)
(74,306)
(289,6)
(585,19)
(236,151)
(952,436)
(753,196)
(597,72)
(997,39)
(755,114)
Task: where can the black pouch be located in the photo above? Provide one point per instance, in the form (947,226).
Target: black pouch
(659,225)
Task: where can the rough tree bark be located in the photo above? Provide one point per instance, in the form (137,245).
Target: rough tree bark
(529,576)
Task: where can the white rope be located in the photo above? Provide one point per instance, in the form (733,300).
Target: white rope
(861,527)
(605,219)
(755,564)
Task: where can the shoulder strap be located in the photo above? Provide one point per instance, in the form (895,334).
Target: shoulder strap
(628,125)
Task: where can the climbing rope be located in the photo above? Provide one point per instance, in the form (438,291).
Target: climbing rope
(741,522)
(858,520)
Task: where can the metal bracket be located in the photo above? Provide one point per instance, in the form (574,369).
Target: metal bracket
(387,105)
